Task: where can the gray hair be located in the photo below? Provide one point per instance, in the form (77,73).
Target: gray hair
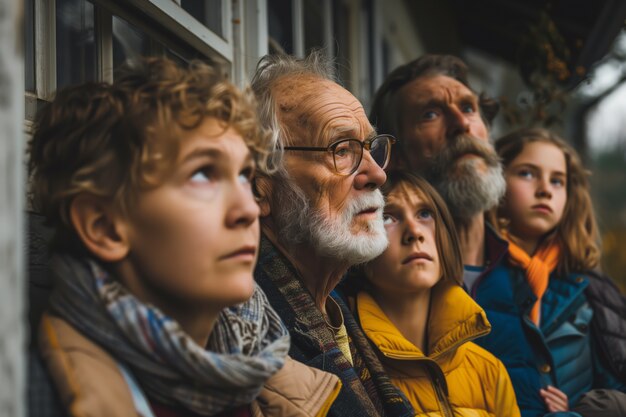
(269,70)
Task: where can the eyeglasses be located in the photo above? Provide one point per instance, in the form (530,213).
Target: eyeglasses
(348,153)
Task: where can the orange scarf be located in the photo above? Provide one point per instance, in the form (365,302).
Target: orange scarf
(538,269)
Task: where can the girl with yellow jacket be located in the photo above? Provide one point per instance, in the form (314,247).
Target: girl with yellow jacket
(411,306)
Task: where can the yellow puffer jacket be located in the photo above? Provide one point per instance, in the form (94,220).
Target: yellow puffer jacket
(457,377)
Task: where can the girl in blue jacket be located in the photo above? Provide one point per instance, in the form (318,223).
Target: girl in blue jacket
(538,299)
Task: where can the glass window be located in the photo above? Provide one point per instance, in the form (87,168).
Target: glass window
(341,15)
(279,20)
(75,42)
(179,58)
(313,25)
(207,12)
(29,45)
(130,42)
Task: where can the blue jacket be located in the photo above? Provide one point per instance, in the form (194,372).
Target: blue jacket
(561,352)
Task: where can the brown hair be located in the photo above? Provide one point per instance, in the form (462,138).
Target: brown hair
(577,231)
(113,140)
(446,238)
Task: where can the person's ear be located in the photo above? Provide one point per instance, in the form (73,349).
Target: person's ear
(262,191)
(101,229)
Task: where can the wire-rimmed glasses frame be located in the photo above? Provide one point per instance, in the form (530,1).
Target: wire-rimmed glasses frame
(348,153)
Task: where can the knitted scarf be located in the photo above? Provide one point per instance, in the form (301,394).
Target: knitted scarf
(367,390)
(538,269)
(248,344)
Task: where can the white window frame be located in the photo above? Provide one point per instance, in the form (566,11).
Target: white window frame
(244,39)
(179,28)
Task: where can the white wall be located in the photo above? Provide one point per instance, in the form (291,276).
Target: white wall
(12,318)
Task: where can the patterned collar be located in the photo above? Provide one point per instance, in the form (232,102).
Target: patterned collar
(314,344)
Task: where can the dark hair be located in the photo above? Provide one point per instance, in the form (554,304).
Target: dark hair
(446,238)
(384,114)
(577,231)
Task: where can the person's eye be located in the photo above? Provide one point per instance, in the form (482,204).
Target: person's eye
(429,115)
(246,176)
(388,219)
(425,214)
(468,108)
(342,150)
(559,182)
(525,173)
(203,174)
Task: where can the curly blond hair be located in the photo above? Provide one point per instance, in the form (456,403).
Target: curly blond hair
(112,140)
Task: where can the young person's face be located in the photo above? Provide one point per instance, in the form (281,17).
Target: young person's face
(194,238)
(536,190)
(411,262)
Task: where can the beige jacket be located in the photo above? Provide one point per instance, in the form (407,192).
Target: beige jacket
(80,369)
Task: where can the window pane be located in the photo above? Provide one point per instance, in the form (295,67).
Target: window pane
(280,19)
(313,25)
(29,45)
(76,50)
(207,12)
(129,42)
(341,15)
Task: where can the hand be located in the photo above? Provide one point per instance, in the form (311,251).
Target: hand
(555,399)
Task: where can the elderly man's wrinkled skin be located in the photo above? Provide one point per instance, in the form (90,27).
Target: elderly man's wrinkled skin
(317,112)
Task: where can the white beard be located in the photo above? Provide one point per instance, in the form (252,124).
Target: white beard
(299,223)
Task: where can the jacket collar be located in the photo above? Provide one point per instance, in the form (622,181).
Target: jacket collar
(366,379)
(454,319)
(496,248)
(293,302)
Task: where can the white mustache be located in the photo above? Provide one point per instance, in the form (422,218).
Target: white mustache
(364,202)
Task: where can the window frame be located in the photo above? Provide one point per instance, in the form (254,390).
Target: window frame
(163,20)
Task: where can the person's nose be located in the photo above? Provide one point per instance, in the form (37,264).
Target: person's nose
(458,122)
(412,232)
(369,174)
(544,188)
(243,209)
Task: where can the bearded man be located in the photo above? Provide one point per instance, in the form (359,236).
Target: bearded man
(321,212)
(441,125)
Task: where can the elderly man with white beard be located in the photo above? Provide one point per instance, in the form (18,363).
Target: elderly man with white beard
(321,213)
(442,127)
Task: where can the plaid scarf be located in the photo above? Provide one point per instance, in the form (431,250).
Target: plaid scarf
(367,390)
(247,345)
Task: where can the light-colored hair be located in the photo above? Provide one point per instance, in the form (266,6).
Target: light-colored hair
(113,140)
(577,231)
(272,68)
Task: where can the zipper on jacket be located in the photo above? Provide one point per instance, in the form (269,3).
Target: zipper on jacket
(437,380)
(442,398)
